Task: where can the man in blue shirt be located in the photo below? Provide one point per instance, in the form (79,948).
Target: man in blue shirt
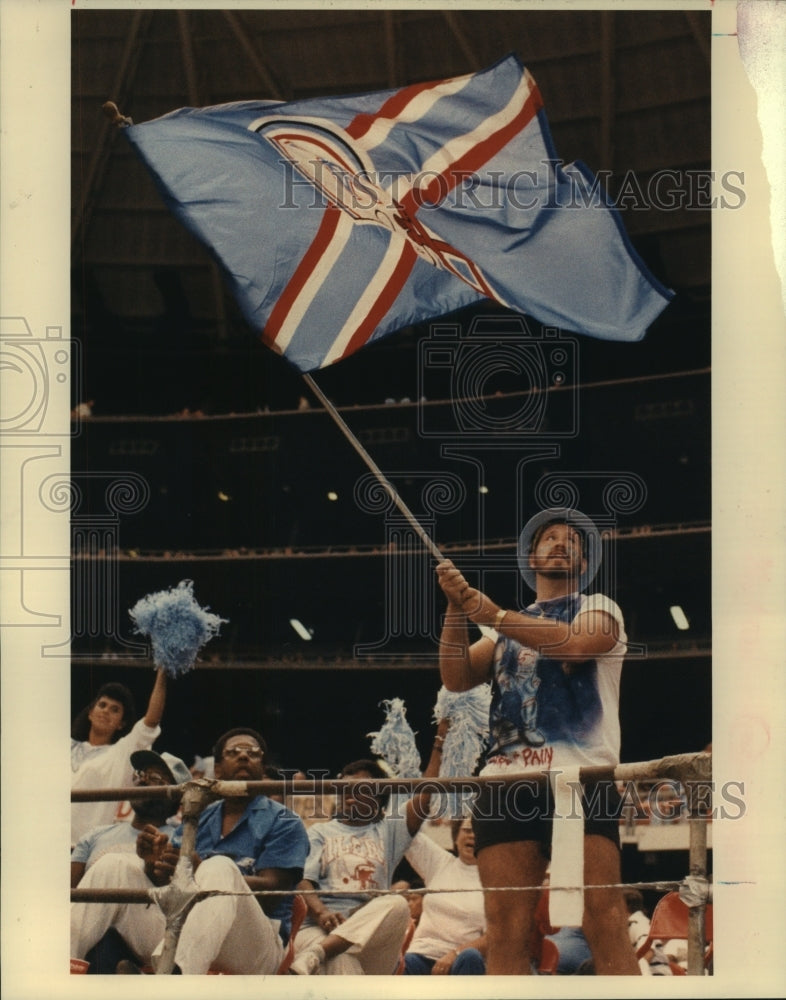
(244,844)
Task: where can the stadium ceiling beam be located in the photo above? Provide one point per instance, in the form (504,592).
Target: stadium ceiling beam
(608,60)
(656,651)
(123,84)
(633,533)
(192,89)
(390,50)
(454,25)
(272,90)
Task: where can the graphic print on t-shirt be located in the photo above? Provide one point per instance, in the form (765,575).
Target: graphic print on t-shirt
(537,700)
(353,862)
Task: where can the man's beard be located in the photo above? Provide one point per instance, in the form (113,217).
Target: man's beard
(560,573)
(155,811)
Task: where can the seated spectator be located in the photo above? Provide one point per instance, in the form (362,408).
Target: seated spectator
(668,802)
(244,844)
(202,767)
(311,808)
(358,850)
(150,769)
(414,899)
(638,930)
(638,921)
(450,937)
(90,923)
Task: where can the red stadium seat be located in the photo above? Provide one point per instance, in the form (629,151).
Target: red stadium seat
(549,958)
(399,970)
(299,910)
(670,920)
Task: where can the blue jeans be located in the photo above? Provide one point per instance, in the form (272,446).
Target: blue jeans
(573,949)
(468,962)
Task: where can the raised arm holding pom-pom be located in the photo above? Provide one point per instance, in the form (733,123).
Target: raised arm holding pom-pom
(103,738)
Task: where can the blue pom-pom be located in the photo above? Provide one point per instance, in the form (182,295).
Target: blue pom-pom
(395,741)
(176,625)
(468,712)
(472,706)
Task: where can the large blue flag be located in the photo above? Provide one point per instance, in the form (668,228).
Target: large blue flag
(340,220)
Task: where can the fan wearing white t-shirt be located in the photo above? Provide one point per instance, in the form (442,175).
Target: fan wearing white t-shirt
(450,938)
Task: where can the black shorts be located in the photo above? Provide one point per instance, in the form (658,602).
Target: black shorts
(505,812)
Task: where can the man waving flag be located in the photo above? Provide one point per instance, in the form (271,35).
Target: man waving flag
(340,220)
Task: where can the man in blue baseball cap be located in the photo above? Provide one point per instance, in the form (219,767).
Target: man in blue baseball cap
(555,673)
(99,931)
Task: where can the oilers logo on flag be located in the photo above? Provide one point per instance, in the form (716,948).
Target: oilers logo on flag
(418,213)
(342,171)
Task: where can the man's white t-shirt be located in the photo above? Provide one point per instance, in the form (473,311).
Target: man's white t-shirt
(546,713)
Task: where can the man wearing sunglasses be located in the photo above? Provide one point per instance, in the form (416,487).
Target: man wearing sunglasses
(100,932)
(244,844)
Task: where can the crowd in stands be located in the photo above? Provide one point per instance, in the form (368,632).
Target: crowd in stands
(388,888)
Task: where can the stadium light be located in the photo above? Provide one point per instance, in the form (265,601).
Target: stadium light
(680,618)
(301,629)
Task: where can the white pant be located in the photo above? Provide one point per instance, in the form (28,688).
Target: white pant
(376,933)
(230,934)
(140,925)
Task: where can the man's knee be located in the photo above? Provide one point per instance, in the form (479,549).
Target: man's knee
(469,962)
(510,921)
(114,870)
(218,872)
(510,907)
(399,910)
(604,911)
(396,914)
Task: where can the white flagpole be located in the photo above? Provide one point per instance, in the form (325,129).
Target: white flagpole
(345,430)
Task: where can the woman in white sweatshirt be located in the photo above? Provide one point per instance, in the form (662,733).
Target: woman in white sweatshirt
(450,938)
(103,737)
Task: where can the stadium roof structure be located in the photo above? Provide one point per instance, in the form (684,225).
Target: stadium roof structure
(627,92)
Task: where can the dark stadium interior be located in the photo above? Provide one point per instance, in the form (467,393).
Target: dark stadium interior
(236,497)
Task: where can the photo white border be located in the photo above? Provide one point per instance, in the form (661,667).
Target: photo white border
(748,517)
